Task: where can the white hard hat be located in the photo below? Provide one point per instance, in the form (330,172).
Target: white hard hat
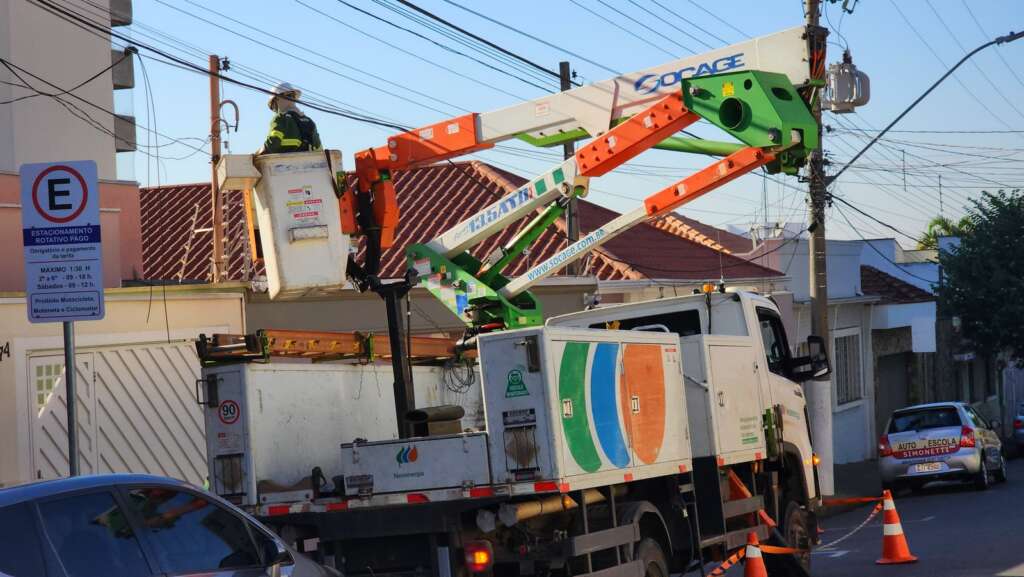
(283,88)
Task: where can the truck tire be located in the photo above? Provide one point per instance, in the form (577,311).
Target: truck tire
(797,533)
(649,552)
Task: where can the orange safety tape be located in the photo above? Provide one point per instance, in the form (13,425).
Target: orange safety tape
(849,501)
(732,560)
(773,550)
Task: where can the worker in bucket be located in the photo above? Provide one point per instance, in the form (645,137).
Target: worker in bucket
(290,130)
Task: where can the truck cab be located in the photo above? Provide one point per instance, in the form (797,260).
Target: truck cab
(726,338)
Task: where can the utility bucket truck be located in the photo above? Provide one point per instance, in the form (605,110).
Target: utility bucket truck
(623,441)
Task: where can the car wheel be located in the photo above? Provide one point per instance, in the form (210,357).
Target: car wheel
(981,479)
(1001,472)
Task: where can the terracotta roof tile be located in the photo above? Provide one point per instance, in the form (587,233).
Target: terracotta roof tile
(892,290)
(433,199)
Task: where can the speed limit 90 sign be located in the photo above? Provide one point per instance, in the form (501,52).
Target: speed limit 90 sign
(228,412)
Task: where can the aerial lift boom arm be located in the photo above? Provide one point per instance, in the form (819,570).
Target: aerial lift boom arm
(583,112)
(625,116)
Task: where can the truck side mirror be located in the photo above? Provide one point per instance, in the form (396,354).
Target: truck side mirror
(815,364)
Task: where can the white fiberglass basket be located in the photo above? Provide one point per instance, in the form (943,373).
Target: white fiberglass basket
(298,217)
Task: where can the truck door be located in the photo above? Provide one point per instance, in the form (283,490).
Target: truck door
(736,397)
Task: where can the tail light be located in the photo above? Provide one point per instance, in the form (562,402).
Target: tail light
(479,556)
(967,437)
(1018,424)
(884,448)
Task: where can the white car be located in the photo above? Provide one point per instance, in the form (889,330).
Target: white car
(939,442)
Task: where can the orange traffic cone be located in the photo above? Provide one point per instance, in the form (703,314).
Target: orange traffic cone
(754,564)
(894,543)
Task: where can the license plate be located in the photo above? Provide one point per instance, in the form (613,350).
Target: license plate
(927,467)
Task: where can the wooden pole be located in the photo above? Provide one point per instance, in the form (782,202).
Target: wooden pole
(217,258)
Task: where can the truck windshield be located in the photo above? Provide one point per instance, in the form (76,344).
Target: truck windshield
(924,419)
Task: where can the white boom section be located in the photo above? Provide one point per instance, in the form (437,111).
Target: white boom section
(506,210)
(575,251)
(594,108)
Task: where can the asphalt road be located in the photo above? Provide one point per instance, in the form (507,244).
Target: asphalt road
(954,531)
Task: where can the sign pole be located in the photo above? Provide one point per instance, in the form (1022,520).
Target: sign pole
(70,372)
(60,220)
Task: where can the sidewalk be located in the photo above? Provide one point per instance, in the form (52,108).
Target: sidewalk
(855,480)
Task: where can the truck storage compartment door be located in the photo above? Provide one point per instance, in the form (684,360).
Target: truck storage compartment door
(735,398)
(515,382)
(416,464)
(227,447)
(653,401)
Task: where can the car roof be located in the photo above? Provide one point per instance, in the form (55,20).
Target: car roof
(941,405)
(41,489)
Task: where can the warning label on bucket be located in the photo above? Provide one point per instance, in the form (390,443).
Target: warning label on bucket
(303,208)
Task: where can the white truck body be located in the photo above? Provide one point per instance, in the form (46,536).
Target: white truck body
(275,421)
(730,382)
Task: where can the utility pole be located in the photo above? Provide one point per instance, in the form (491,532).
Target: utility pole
(217,258)
(572,219)
(941,212)
(819,391)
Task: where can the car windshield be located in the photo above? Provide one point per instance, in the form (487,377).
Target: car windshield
(922,419)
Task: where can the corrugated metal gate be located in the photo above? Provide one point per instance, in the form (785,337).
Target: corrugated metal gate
(136,412)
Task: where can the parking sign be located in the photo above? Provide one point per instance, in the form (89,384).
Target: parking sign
(60,216)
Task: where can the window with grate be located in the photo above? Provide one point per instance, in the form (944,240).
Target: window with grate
(847,374)
(46,377)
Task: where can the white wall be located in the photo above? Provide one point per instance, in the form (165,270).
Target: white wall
(39,129)
(852,423)
(843,264)
(923,275)
(920,317)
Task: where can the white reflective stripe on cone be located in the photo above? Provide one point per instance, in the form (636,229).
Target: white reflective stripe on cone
(753,552)
(889,505)
(892,529)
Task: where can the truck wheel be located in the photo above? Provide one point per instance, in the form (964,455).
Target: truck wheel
(797,534)
(649,552)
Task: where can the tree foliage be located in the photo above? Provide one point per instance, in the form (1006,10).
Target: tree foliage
(942,226)
(983,279)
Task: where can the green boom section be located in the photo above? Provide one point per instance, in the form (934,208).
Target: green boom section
(673,143)
(759,109)
(573,393)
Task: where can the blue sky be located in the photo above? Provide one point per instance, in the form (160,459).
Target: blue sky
(351,66)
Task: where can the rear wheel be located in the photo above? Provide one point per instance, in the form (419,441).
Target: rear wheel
(981,479)
(1001,471)
(650,554)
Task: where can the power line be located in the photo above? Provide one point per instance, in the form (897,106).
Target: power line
(691,23)
(419,57)
(469,43)
(941,61)
(294,56)
(974,63)
(579,57)
(200,70)
(880,253)
(985,35)
(454,26)
(622,28)
(642,25)
(719,18)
